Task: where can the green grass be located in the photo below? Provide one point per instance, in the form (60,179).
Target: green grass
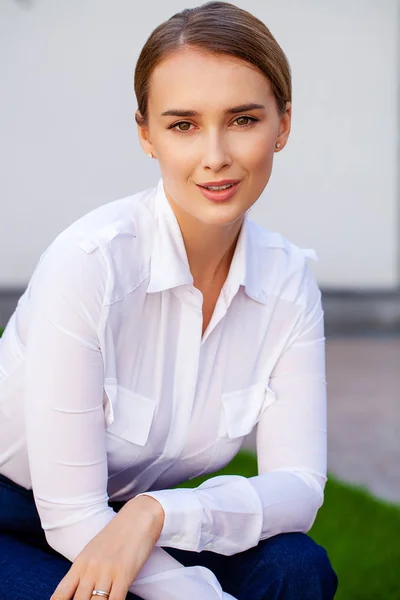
(361,535)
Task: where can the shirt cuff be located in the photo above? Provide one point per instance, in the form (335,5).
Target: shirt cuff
(183,518)
(196,583)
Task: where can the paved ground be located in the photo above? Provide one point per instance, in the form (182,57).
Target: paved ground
(364,412)
(363,375)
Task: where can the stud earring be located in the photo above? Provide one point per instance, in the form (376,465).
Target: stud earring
(277,145)
(150,155)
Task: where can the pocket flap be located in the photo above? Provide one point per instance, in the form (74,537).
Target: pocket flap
(132,414)
(242,410)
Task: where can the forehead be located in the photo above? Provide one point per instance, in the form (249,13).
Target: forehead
(199,78)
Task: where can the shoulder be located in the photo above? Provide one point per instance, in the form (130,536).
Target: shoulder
(282,265)
(119,218)
(82,255)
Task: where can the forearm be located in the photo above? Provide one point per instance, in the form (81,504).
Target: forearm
(161,572)
(223,515)
(229,514)
(161,576)
(164,578)
(290,501)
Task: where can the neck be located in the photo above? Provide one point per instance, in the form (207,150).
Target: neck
(209,248)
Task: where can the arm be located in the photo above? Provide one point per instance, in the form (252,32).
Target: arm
(229,514)
(65,425)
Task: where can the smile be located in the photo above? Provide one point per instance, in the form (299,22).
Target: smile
(219,193)
(217,188)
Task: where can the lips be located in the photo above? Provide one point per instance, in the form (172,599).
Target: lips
(218,196)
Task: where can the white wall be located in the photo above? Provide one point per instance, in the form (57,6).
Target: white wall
(69,143)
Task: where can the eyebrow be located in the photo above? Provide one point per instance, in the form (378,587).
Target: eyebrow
(178,112)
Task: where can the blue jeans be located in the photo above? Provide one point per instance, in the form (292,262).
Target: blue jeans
(289,566)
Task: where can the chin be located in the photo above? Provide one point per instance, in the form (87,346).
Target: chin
(220,216)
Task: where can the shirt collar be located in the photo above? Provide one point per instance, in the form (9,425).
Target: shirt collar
(169,262)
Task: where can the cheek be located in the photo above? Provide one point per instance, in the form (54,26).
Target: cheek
(259,158)
(257,148)
(176,156)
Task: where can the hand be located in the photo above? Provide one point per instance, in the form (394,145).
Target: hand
(113,558)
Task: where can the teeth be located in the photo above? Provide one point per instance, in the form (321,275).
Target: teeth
(217,188)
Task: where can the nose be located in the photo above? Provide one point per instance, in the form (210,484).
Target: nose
(216,154)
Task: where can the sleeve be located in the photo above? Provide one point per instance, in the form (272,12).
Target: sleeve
(229,514)
(65,422)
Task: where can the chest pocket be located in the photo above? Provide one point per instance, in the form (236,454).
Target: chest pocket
(128,415)
(241,410)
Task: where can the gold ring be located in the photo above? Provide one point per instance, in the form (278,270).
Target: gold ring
(100,593)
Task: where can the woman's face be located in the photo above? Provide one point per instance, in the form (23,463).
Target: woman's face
(211,134)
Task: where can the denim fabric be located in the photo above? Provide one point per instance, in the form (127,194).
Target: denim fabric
(285,567)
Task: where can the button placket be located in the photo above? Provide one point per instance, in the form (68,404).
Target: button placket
(187,365)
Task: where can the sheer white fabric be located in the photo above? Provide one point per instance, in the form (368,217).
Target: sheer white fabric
(108,389)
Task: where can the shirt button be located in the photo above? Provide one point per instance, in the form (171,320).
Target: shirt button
(176,537)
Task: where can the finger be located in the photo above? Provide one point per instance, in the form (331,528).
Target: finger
(103,583)
(66,588)
(87,586)
(85,589)
(119,591)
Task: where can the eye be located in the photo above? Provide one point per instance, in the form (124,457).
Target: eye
(186,125)
(247,121)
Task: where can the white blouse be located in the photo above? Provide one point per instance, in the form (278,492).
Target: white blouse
(108,389)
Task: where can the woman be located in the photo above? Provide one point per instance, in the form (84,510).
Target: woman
(154,334)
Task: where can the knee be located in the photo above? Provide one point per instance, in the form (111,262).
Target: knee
(297,552)
(299,562)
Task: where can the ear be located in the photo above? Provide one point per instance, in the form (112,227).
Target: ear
(284,127)
(143,133)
